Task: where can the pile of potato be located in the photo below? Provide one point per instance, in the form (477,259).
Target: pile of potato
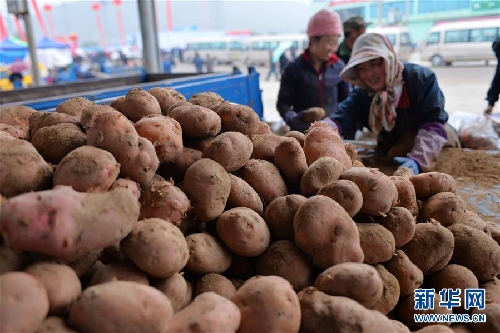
(161,214)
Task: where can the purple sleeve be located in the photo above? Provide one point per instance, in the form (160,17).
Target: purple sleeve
(429,142)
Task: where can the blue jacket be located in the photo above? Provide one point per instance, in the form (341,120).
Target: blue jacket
(421,102)
(303,87)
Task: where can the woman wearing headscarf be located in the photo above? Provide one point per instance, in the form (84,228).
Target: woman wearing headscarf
(401,103)
(312,80)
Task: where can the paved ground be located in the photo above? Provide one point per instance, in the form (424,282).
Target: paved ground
(463,84)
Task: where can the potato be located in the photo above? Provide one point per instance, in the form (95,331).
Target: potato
(406,311)
(401,223)
(431,247)
(322,140)
(138,103)
(379,192)
(238,118)
(243,195)
(455,277)
(400,327)
(435,329)
(263,128)
(243,231)
(264,146)
(406,194)
(494,230)
(163,200)
(445,207)
(297,135)
(121,306)
(113,132)
(55,325)
(291,161)
(24,302)
(198,143)
(231,150)
(376,241)
(265,178)
(40,120)
(280,214)
(492,291)
(208,312)
(177,169)
(283,258)
(85,265)
(409,276)
(87,169)
(346,193)
(127,184)
(471,246)
(60,281)
(14,131)
(216,283)
(197,121)
(403,172)
(471,219)
(22,168)
(267,304)
(391,292)
(177,290)
(357,281)
(207,185)
(431,183)
(56,141)
(74,106)
(119,271)
(17,115)
(319,174)
(350,149)
(166,97)
(207,254)
(207,99)
(492,324)
(157,247)
(313,114)
(324,231)
(77,217)
(242,267)
(11,260)
(461,328)
(322,313)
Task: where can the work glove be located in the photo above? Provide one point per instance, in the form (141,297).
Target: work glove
(409,163)
(313,114)
(294,120)
(331,123)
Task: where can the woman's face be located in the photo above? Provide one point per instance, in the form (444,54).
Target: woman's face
(324,47)
(372,74)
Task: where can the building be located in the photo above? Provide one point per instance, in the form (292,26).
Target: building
(418,15)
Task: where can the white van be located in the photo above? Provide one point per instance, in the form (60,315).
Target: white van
(400,38)
(461,41)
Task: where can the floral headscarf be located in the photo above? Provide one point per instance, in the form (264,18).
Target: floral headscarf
(383,107)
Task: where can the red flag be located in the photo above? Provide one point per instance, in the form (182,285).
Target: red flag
(39,17)
(3,30)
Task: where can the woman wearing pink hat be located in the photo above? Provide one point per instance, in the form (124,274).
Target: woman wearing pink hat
(313,79)
(401,103)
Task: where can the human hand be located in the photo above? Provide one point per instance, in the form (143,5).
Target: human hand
(489,109)
(409,163)
(312,114)
(293,119)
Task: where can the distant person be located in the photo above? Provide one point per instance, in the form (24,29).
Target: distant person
(312,80)
(198,63)
(353,28)
(293,53)
(283,62)
(16,72)
(168,63)
(210,64)
(272,67)
(123,58)
(494,90)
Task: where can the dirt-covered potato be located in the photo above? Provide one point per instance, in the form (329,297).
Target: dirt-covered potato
(283,258)
(492,324)
(11,260)
(177,289)
(265,178)
(207,254)
(346,193)
(55,324)
(166,97)
(74,106)
(178,167)
(406,194)
(243,195)
(406,311)
(297,135)
(207,99)
(17,115)
(431,183)
(197,121)
(119,271)
(445,207)
(230,149)
(264,146)
(319,174)
(216,283)
(40,120)
(409,276)
(401,223)
(313,114)
(390,294)
(360,282)
(238,118)
(291,161)
(137,104)
(280,213)
(243,231)
(376,241)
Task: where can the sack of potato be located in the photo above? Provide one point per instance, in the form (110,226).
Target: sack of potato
(161,214)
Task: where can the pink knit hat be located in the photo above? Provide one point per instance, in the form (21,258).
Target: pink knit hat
(325,23)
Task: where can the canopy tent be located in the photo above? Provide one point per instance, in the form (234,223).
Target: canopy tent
(12,48)
(47,43)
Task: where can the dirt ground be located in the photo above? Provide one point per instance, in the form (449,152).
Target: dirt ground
(477,173)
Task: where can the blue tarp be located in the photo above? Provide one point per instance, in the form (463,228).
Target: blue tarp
(10,50)
(47,43)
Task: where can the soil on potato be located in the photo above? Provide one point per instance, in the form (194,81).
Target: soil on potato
(477,173)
